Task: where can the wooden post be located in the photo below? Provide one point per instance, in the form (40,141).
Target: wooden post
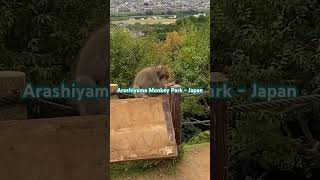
(175,101)
(218,113)
(12,82)
(113,91)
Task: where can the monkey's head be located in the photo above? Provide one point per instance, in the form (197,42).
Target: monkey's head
(163,72)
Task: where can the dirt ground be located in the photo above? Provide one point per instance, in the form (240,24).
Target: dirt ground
(194,166)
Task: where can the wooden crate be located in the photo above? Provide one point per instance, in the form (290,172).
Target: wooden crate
(141,129)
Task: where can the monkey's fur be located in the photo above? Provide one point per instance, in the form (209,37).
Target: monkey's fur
(93,58)
(91,70)
(155,77)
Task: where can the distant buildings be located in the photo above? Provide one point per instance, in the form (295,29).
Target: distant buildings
(201,14)
(123,9)
(137,33)
(157,5)
(173,17)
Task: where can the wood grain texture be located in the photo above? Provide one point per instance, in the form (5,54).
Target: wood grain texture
(72,148)
(141,129)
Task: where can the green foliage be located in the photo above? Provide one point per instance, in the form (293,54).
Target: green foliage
(190,61)
(192,64)
(127,52)
(267,41)
(158,31)
(270,41)
(184,47)
(149,12)
(192,106)
(258,136)
(43,38)
(188,131)
(203,137)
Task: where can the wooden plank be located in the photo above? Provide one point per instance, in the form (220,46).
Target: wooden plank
(141,129)
(11,84)
(72,148)
(175,103)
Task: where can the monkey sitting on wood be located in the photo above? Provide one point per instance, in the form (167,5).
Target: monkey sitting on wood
(152,77)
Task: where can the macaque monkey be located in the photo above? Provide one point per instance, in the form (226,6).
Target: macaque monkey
(156,77)
(92,69)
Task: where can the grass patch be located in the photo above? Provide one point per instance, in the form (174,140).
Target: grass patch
(142,167)
(193,147)
(203,137)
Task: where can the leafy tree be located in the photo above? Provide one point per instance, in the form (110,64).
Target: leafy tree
(127,53)
(149,12)
(169,12)
(268,42)
(185,49)
(43,38)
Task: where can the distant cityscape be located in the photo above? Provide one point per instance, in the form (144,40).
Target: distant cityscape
(157,5)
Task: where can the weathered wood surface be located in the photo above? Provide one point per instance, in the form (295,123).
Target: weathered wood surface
(141,129)
(12,82)
(113,91)
(72,148)
(175,103)
(113,88)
